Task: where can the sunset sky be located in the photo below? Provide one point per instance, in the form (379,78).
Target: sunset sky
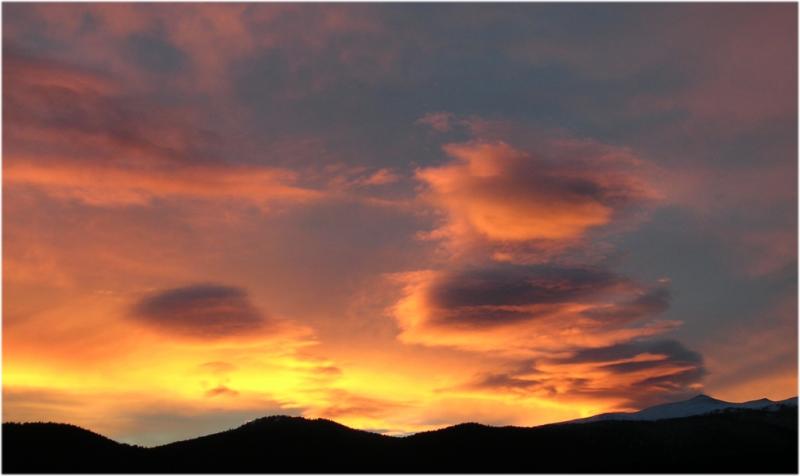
(395,216)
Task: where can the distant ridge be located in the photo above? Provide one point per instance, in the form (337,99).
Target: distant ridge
(752,437)
(698,405)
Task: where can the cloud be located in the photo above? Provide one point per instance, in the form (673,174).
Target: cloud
(328,370)
(495,193)
(154,53)
(617,357)
(77,112)
(651,302)
(221,390)
(522,285)
(438,121)
(381,177)
(525,280)
(76,133)
(202,311)
(343,178)
(26,403)
(343,403)
(513,285)
(630,374)
(28,71)
(217,367)
(79,134)
(642,372)
(115,186)
(520,309)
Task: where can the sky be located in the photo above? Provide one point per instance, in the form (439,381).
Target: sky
(395,216)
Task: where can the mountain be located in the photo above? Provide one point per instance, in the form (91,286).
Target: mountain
(57,447)
(276,444)
(732,441)
(699,405)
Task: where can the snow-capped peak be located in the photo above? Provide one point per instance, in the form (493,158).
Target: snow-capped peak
(698,405)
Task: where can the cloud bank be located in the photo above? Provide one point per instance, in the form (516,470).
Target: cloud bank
(520,281)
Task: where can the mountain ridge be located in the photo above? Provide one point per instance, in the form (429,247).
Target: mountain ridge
(759,404)
(698,405)
(741,440)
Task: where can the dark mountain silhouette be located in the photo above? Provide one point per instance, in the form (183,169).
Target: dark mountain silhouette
(57,447)
(733,440)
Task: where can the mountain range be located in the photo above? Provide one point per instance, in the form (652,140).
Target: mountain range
(699,435)
(699,405)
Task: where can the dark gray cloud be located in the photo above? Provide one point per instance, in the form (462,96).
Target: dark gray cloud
(675,351)
(504,294)
(518,285)
(203,311)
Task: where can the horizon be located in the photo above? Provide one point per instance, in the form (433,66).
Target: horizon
(399,435)
(398,217)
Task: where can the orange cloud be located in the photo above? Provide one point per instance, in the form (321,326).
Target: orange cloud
(221,390)
(626,376)
(342,404)
(493,192)
(108,185)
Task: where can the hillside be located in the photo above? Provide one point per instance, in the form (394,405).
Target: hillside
(732,441)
